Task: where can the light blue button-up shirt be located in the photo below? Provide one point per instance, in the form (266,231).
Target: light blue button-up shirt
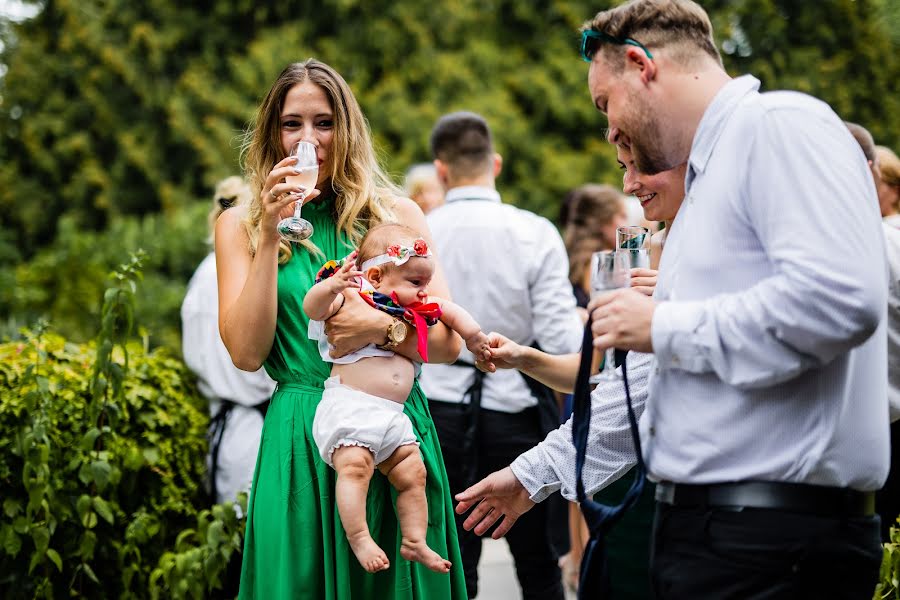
(769,337)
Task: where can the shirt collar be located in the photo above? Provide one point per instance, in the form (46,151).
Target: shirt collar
(472,192)
(713,122)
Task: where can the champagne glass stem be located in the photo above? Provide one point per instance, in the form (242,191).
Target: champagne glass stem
(298,205)
(609,361)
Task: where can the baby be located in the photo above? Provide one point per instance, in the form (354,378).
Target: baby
(360,423)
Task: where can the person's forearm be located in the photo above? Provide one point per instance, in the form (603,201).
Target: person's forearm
(248,325)
(547,467)
(459,319)
(318,302)
(557,371)
(443,344)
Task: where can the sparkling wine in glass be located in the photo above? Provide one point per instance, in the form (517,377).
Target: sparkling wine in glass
(634,240)
(610,270)
(295,228)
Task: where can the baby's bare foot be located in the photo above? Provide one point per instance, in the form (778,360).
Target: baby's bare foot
(368,553)
(421,553)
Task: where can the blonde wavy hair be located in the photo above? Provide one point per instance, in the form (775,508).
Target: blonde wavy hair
(361,187)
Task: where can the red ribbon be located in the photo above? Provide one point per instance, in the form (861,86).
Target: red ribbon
(418,313)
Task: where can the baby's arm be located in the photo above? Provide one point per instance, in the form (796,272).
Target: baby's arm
(459,320)
(324,298)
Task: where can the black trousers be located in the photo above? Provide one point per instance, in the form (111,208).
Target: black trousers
(887,499)
(502,437)
(761,553)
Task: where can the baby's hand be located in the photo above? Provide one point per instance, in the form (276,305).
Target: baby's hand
(478,345)
(347,276)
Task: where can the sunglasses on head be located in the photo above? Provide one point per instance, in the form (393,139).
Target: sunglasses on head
(591,40)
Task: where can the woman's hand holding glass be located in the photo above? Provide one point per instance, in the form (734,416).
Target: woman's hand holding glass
(280,195)
(304,176)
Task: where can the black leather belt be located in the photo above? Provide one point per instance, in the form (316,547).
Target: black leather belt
(793,497)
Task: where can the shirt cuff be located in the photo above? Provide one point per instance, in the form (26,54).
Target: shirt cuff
(534,473)
(674,333)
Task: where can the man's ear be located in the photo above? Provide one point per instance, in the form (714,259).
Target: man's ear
(374,275)
(498,164)
(637,58)
(442,173)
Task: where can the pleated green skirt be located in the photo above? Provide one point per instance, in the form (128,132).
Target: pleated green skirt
(295,546)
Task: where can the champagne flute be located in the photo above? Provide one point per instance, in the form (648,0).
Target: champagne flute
(295,228)
(634,241)
(610,270)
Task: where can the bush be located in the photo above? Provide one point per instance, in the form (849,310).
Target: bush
(889,581)
(102,450)
(87,506)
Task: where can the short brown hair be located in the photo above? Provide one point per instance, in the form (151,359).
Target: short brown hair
(463,141)
(377,240)
(863,138)
(682,26)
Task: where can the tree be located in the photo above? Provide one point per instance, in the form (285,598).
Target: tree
(113,110)
(838,50)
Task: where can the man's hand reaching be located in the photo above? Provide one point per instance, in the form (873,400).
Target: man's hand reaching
(499,495)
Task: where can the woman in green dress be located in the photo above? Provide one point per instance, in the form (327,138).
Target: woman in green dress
(294,545)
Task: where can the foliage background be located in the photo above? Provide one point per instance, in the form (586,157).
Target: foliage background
(117,118)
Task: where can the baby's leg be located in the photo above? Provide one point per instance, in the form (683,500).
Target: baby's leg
(354,466)
(406,472)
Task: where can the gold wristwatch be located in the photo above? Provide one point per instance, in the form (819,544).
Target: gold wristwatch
(396,333)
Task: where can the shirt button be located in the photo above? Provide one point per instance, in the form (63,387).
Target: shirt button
(675,361)
(652,430)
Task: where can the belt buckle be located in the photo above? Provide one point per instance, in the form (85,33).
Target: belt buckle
(665,492)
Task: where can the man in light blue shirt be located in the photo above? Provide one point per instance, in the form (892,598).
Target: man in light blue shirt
(767,420)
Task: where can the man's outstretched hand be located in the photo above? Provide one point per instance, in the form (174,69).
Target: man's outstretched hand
(498,495)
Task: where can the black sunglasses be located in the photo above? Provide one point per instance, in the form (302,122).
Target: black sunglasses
(591,40)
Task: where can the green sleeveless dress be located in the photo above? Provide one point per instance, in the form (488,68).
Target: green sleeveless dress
(295,547)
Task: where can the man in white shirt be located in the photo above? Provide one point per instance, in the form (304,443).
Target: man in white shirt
(508,267)
(237,399)
(766,422)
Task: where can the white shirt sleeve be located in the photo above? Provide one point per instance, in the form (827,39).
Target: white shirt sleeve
(550,466)
(810,208)
(556,324)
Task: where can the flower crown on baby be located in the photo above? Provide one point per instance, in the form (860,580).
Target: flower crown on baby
(398,254)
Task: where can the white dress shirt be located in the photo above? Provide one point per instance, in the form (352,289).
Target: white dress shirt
(508,267)
(217,378)
(770,336)
(892,239)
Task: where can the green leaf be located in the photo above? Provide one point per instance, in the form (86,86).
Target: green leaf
(83,505)
(133,459)
(12,543)
(86,547)
(53,555)
(36,558)
(90,572)
(41,537)
(89,519)
(103,509)
(87,441)
(100,471)
(215,534)
(12,507)
(151,455)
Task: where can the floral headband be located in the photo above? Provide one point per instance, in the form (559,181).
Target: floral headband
(398,254)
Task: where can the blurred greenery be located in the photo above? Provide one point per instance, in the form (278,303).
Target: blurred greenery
(117,118)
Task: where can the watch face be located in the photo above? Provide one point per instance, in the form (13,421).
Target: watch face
(398,332)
